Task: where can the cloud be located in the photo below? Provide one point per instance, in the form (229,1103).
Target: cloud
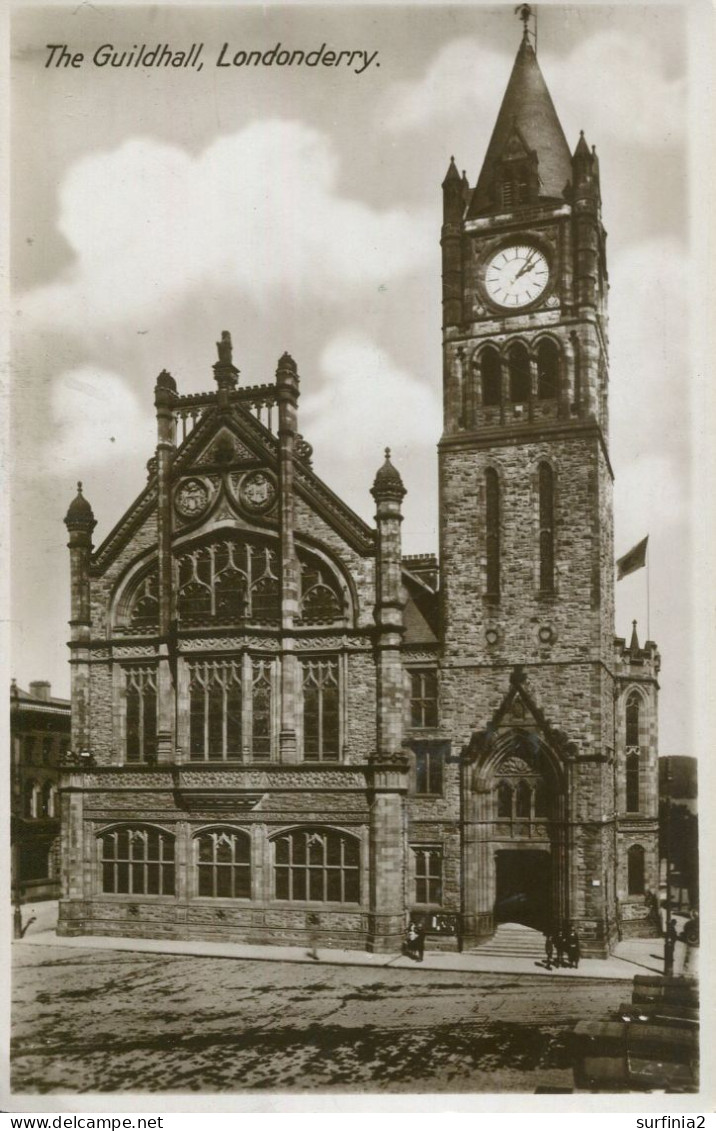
(622,93)
(258,210)
(97,421)
(367,402)
(650,386)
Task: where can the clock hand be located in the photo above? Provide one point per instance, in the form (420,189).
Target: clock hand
(529,264)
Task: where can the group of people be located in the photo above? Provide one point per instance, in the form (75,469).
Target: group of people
(414,945)
(561,948)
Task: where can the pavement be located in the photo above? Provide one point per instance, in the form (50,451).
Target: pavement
(630,957)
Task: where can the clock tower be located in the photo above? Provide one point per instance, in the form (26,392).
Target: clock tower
(528,674)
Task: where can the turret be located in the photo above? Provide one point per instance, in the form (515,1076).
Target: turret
(388,492)
(450,241)
(80,523)
(287,393)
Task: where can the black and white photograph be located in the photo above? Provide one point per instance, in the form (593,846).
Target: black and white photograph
(358,457)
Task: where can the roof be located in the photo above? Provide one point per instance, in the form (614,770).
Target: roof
(528,110)
(24,700)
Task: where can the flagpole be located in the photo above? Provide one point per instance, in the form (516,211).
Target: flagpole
(648,625)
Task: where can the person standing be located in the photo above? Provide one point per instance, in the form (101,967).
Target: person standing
(573,950)
(549,949)
(559,947)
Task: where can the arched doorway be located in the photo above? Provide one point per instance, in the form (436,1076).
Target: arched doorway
(523,887)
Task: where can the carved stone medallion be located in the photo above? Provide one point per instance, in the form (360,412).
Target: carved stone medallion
(257,492)
(192,498)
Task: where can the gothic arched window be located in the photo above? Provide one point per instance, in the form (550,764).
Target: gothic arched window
(224,864)
(491,376)
(547,369)
(546,528)
(137,861)
(635,870)
(632,781)
(632,719)
(144,609)
(318,865)
(215,711)
(518,363)
(492,532)
(261,710)
(141,714)
(320,602)
(504,799)
(320,711)
(523,800)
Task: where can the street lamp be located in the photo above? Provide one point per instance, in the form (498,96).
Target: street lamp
(668,940)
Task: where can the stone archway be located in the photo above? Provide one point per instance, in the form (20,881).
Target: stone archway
(515,828)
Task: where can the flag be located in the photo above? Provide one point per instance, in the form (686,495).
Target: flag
(635,559)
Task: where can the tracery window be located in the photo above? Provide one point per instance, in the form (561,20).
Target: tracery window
(318,865)
(547,369)
(635,870)
(137,861)
(523,800)
(504,799)
(144,609)
(546,528)
(261,704)
(215,710)
(428,874)
(224,864)
(524,788)
(423,698)
(320,602)
(491,373)
(228,580)
(518,362)
(492,532)
(632,719)
(321,738)
(141,714)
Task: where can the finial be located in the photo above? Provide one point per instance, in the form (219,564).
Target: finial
(79,486)
(387,453)
(525,13)
(224,347)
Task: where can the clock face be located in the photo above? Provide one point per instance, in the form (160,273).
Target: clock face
(517,275)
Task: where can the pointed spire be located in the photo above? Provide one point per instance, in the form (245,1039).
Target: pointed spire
(527,111)
(452,173)
(634,643)
(582,149)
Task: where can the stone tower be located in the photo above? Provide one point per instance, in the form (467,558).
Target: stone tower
(528,676)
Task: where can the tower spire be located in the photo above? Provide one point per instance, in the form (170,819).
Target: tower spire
(527,131)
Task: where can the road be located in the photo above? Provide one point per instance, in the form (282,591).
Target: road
(114,1021)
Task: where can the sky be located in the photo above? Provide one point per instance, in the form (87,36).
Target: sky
(300,209)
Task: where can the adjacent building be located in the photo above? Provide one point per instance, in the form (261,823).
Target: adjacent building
(39,740)
(283,728)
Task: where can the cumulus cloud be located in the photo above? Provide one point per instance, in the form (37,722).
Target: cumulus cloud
(97,422)
(366,403)
(621,88)
(650,385)
(149,224)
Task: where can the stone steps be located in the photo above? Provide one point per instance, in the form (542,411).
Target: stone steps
(512,941)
